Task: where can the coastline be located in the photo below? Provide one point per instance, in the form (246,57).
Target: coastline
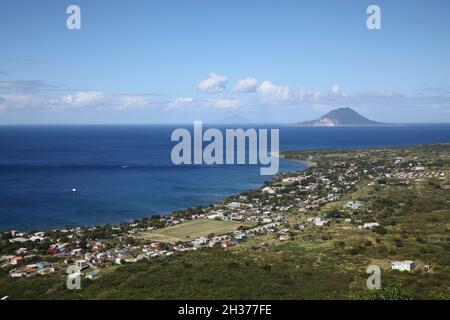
(308,164)
(305,162)
(39,197)
(281,155)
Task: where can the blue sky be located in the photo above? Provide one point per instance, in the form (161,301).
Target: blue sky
(177,61)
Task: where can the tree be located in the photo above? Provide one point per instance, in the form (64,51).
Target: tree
(394,290)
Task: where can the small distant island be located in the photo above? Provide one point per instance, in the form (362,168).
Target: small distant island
(342,117)
(233,119)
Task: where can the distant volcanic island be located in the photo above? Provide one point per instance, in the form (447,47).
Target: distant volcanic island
(234,119)
(342,117)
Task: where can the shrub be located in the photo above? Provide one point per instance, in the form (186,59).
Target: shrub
(420,240)
(379,230)
(357,250)
(368,243)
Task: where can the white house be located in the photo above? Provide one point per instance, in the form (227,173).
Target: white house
(15,273)
(234,205)
(268,190)
(37,238)
(406,265)
(356,205)
(75,252)
(318,221)
(81,264)
(19,239)
(370,225)
(217,215)
(199,242)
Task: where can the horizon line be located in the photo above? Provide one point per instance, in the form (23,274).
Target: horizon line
(216,123)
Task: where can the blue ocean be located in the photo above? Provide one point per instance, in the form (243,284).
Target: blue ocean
(125,172)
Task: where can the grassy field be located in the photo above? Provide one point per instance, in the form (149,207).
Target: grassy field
(191,230)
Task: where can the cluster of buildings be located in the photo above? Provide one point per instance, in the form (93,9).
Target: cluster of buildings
(92,248)
(32,269)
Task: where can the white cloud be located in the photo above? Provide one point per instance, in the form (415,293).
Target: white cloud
(84,98)
(213,84)
(224,103)
(133,101)
(273,94)
(304,93)
(381,94)
(96,100)
(317,96)
(246,85)
(335,89)
(23,96)
(181,102)
(20,101)
(334,96)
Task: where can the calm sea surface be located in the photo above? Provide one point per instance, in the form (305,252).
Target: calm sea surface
(125,172)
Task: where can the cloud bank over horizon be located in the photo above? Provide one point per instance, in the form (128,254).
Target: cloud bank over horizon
(247,95)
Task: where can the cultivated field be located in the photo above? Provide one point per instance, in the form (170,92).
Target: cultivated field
(192,229)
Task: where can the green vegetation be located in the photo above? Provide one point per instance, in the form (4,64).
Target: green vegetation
(390,291)
(191,230)
(313,262)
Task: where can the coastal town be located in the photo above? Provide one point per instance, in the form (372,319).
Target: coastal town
(325,195)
